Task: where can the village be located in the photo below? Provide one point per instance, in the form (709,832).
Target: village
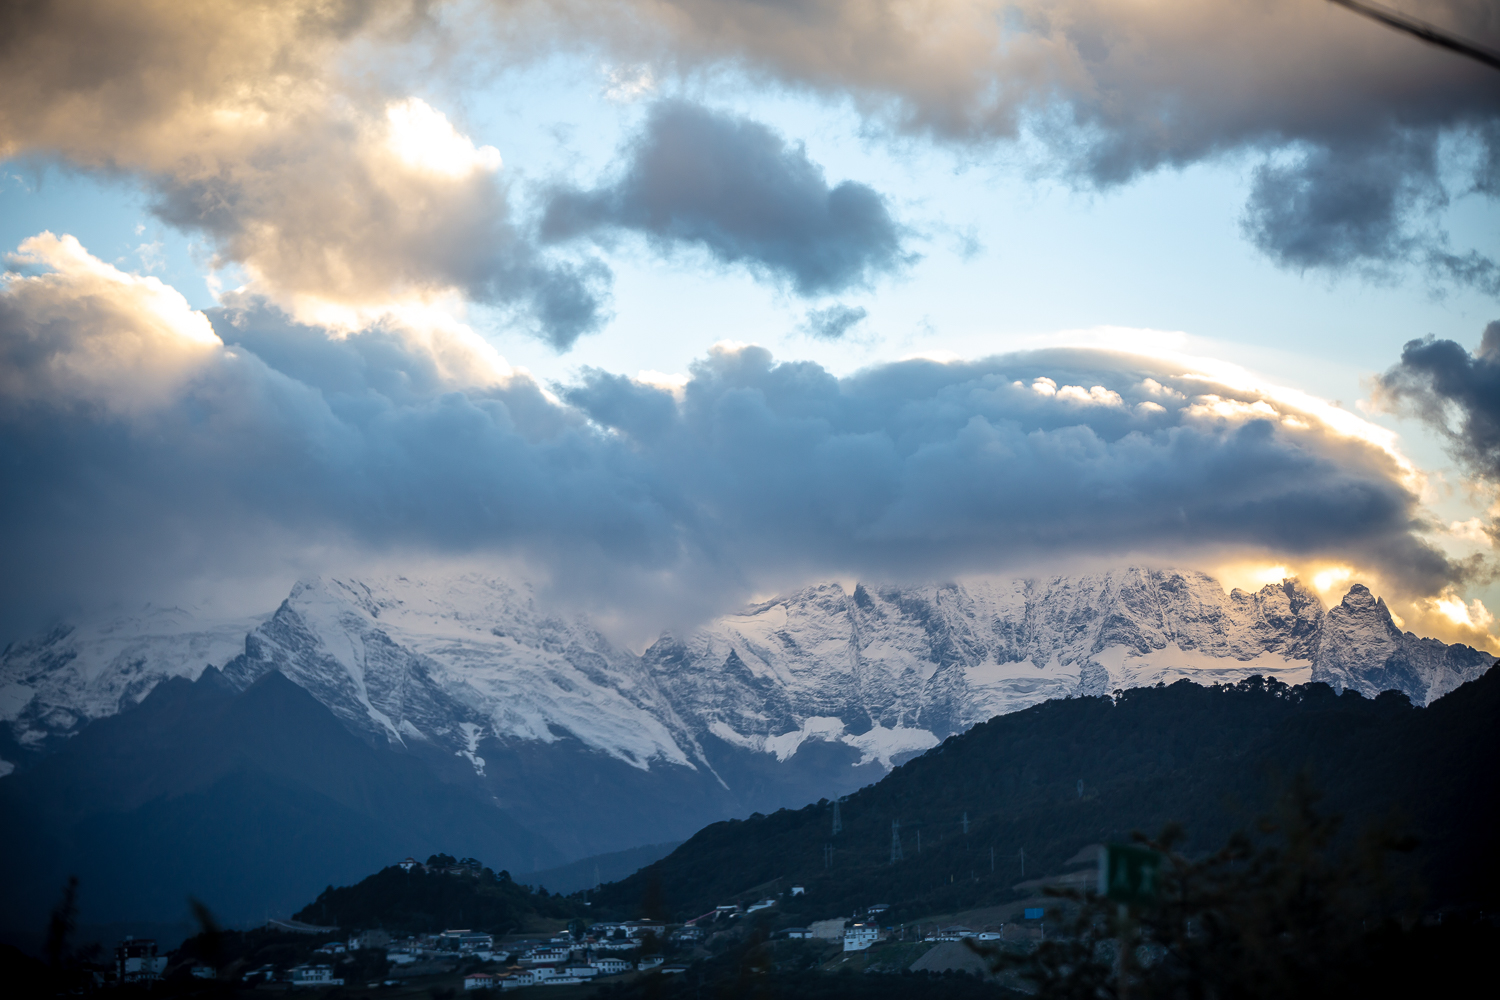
(326,957)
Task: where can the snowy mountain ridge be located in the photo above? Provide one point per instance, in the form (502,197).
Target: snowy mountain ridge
(439,666)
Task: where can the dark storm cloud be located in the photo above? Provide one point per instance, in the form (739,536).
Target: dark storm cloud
(139,450)
(738,190)
(834,321)
(1455,392)
(1364,208)
(1115,89)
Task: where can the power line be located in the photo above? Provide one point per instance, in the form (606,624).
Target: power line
(1421,29)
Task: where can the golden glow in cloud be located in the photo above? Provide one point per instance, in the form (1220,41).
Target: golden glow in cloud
(424,139)
(95,335)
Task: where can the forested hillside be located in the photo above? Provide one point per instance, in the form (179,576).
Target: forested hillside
(1050,780)
(445,893)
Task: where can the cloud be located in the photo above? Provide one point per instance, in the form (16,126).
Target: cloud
(289,133)
(833,322)
(253,124)
(1365,208)
(85,334)
(736,189)
(159,451)
(1113,89)
(1456,393)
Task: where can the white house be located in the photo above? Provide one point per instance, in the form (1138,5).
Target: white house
(764,904)
(798,890)
(798,933)
(136,961)
(651,962)
(315,975)
(580,971)
(479,981)
(465,942)
(640,928)
(610,966)
(860,936)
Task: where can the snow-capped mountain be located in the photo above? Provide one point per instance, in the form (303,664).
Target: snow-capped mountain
(51,685)
(410,660)
(889,670)
(466,668)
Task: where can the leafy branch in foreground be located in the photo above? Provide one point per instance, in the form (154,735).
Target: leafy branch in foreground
(1291,911)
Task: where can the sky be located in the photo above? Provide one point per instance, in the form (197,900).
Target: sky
(667,305)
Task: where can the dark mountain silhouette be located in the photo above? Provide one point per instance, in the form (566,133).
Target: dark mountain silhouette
(1210,758)
(249,801)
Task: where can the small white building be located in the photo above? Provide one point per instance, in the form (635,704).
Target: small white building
(465,942)
(479,981)
(650,962)
(314,975)
(580,971)
(764,904)
(136,961)
(799,933)
(611,966)
(860,936)
(798,890)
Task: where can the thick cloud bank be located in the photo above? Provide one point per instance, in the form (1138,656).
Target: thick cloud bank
(1457,393)
(736,189)
(142,447)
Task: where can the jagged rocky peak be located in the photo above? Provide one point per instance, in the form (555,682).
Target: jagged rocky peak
(448,662)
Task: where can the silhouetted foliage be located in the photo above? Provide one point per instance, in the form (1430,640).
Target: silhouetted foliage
(1290,910)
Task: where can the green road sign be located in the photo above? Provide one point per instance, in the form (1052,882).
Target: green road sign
(1129,874)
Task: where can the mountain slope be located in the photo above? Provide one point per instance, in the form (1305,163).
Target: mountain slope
(249,800)
(1054,778)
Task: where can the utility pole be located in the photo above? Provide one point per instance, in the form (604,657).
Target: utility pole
(838,822)
(896,841)
(966,824)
